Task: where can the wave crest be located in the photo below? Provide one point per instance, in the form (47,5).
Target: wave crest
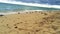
(31,4)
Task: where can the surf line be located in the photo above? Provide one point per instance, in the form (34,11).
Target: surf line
(32,4)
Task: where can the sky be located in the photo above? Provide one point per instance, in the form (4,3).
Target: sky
(5,0)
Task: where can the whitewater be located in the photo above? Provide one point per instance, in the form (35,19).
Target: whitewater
(30,4)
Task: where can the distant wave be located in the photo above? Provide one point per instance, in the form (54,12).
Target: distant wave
(31,4)
(51,2)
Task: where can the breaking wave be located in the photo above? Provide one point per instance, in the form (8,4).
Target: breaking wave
(30,4)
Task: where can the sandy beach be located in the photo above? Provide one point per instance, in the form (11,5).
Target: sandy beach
(34,22)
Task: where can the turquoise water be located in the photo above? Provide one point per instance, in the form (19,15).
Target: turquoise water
(13,7)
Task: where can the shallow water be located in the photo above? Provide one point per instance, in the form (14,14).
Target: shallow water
(13,7)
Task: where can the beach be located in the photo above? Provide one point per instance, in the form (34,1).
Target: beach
(31,22)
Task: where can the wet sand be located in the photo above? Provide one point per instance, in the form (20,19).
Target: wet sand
(37,22)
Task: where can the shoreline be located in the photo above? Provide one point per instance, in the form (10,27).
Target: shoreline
(7,13)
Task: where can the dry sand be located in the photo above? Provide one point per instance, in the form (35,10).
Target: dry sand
(31,23)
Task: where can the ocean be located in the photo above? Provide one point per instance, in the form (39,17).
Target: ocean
(51,2)
(20,5)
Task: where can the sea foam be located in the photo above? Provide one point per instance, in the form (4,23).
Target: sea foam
(31,4)
(8,13)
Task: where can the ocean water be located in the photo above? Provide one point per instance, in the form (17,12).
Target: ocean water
(20,5)
(51,2)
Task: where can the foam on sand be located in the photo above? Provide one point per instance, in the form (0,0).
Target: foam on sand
(31,4)
(7,13)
